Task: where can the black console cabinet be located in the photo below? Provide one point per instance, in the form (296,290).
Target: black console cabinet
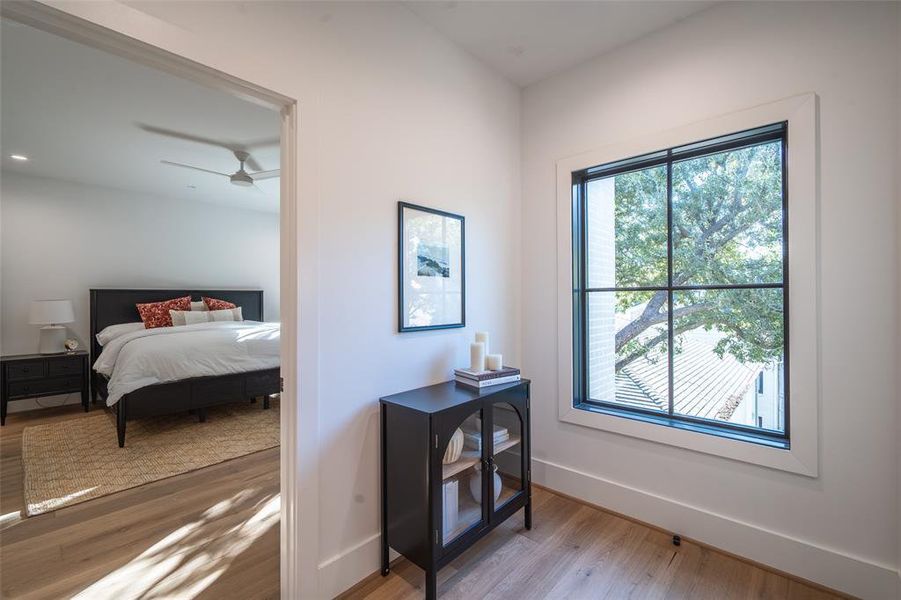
(447,482)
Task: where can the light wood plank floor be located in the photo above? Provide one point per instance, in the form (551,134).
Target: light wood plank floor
(576,551)
(210,534)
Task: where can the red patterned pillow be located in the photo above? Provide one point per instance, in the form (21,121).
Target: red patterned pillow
(213,304)
(156,314)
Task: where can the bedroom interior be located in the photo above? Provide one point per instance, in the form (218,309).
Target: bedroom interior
(581,299)
(145,242)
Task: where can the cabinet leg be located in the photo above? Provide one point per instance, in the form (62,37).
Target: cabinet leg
(3,411)
(386,567)
(431,584)
(266,402)
(527,515)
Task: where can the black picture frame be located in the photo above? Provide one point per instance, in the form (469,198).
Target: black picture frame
(446,267)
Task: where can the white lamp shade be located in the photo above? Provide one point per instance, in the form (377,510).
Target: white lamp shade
(50,312)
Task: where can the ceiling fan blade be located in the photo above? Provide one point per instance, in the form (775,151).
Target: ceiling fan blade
(184,166)
(186,136)
(265,174)
(252,163)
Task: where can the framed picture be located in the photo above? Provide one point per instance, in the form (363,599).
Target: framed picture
(431,269)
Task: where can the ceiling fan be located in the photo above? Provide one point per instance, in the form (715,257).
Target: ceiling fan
(241,151)
(239,177)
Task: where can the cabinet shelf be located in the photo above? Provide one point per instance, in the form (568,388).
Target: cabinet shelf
(471,457)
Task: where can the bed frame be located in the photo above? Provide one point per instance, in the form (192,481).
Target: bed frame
(112,306)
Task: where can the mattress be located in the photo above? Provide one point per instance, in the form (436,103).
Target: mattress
(165,354)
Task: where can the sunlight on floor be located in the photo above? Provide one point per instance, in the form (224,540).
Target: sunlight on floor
(191,558)
(10,518)
(54,503)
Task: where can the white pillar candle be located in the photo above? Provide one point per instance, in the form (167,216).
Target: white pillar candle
(477,356)
(482,336)
(494,362)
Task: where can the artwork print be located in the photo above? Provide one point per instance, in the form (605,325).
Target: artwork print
(432,261)
(431,278)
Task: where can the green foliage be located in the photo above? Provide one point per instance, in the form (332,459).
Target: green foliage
(727,229)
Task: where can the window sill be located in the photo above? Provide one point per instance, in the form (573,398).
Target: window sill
(762,439)
(672,432)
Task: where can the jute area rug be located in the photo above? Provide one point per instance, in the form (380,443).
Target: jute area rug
(73,461)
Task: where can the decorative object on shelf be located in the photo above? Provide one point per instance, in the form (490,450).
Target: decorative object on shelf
(482,379)
(482,336)
(475,483)
(473,439)
(477,356)
(494,362)
(431,269)
(450,505)
(454,447)
(51,314)
(71,345)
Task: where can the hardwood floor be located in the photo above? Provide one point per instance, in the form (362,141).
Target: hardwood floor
(213,534)
(576,551)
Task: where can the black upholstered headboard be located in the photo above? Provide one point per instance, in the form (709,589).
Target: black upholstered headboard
(110,307)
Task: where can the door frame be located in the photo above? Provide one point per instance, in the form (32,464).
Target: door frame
(67,25)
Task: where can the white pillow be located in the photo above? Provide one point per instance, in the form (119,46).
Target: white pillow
(227,314)
(197,316)
(113,331)
(190,317)
(199,306)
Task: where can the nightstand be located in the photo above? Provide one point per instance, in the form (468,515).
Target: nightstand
(34,375)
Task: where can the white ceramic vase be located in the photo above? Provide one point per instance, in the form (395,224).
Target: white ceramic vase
(475,484)
(454,447)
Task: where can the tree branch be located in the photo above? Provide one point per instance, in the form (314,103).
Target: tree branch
(642,323)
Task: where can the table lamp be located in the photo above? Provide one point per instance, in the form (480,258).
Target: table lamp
(51,313)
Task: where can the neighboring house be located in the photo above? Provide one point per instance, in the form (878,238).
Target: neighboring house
(708,386)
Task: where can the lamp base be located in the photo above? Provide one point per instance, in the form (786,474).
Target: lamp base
(53,339)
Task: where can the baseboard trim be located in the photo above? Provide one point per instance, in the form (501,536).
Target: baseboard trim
(772,550)
(350,567)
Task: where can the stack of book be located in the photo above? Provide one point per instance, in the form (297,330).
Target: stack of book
(473,439)
(482,379)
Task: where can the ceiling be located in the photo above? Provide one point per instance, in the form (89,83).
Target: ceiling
(529,41)
(77,112)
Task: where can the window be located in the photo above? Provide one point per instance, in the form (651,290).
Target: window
(680,273)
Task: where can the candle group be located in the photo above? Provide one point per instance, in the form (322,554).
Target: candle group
(479,359)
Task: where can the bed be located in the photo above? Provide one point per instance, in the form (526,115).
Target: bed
(116,306)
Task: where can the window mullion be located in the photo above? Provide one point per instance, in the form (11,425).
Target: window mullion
(669,279)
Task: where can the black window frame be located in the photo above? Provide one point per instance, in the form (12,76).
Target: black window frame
(580,179)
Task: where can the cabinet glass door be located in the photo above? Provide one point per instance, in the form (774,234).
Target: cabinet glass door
(462,483)
(507,465)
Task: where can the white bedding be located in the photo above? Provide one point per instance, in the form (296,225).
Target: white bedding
(164,354)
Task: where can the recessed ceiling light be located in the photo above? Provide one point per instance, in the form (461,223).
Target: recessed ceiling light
(18,157)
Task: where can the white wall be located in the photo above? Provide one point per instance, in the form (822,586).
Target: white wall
(60,239)
(388,111)
(840,529)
